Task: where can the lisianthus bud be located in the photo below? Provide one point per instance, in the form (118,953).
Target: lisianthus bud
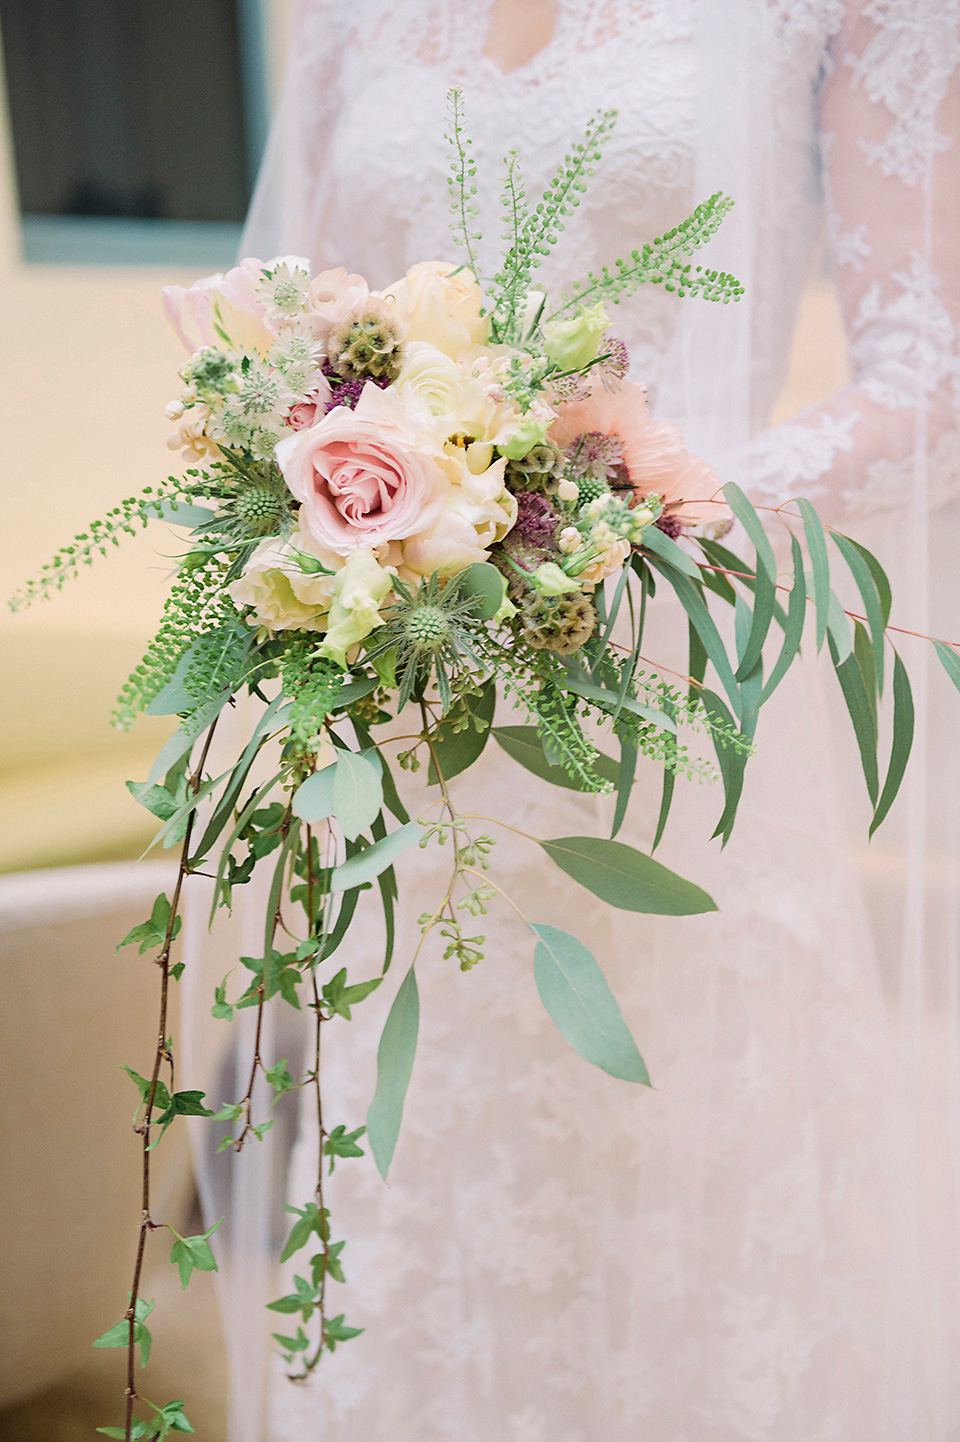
(573,344)
(522,436)
(550,580)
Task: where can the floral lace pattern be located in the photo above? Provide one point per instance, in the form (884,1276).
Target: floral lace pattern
(557,1256)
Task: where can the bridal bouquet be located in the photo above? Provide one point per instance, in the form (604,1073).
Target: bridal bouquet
(419,500)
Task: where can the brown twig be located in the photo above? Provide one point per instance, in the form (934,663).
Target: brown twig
(163,1051)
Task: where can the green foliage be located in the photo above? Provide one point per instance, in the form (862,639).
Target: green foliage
(313,684)
(576,995)
(199,629)
(341,1143)
(127,518)
(459,739)
(395,1054)
(626,878)
(522,744)
(663,261)
(190,1254)
(357,792)
(462,178)
(119,1334)
(534,233)
(367,864)
(153,932)
(338,997)
(171,1418)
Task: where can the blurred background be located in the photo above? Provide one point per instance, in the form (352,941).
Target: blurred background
(130,133)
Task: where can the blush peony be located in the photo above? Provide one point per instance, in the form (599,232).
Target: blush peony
(364,477)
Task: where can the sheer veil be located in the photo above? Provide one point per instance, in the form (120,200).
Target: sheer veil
(903,891)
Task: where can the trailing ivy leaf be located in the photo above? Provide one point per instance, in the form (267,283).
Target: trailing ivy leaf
(292,1345)
(357,792)
(153,932)
(279,1078)
(313,798)
(523,745)
(456,750)
(341,1143)
(395,1055)
(119,1334)
(171,1418)
(333,1267)
(335,1330)
(819,564)
(280,974)
(161,1097)
(625,877)
(303,1300)
(340,997)
(190,1254)
(310,1221)
(903,723)
(575,993)
(753,526)
(367,864)
(221,1009)
(184,1104)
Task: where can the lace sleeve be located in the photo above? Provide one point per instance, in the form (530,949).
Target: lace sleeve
(289,212)
(890,144)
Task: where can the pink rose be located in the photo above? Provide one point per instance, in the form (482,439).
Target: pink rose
(307,412)
(365,476)
(190,309)
(332,296)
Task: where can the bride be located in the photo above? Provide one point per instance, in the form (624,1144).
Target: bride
(765,1246)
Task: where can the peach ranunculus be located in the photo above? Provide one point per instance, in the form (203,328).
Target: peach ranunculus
(333,294)
(193,311)
(441,304)
(654,455)
(365,476)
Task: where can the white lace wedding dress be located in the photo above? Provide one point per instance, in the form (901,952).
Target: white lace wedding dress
(764,1247)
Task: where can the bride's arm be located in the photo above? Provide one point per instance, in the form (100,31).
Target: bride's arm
(890,139)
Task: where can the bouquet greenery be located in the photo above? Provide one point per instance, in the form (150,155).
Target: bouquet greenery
(422,500)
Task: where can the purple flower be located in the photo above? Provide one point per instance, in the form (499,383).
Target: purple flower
(537,521)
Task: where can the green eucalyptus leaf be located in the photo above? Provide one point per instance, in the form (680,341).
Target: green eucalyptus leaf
(793,628)
(903,725)
(668,551)
(861,715)
(751,523)
(693,603)
(313,798)
(357,792)
(523,745)
(483,583)
(395,1055)
(576,995)
(949,660)
(457,750)
(367,864)
(625,877)
(872,603)
(819,565)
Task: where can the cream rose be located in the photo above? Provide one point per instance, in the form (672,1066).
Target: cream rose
(440,304)
(479,511)
(366,476)
(283,594)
